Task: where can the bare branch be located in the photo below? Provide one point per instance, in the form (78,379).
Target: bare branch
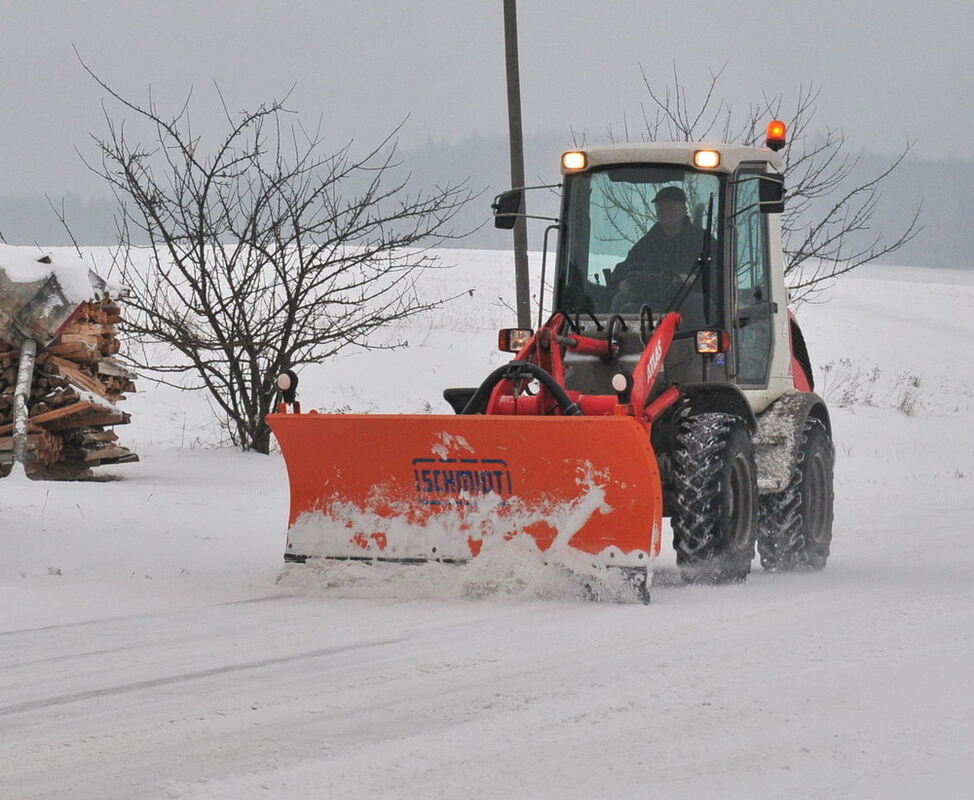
(262,252)
(62,218)
(829,216)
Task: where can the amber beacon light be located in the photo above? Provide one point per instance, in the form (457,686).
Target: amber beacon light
(776,135)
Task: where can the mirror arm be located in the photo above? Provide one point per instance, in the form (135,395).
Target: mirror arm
(554,220)
(529,188)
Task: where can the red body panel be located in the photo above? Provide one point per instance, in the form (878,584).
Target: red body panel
(802,383)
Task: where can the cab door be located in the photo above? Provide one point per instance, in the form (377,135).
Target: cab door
(751,285)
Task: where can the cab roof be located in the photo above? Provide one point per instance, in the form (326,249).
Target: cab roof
(681,153)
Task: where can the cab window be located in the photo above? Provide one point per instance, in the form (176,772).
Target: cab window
(753,323)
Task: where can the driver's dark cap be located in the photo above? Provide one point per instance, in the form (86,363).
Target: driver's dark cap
(673,194)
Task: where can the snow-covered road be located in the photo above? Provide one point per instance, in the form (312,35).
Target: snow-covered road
(152,644)
(855,682)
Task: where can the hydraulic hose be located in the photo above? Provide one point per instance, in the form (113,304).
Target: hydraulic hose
(513,371)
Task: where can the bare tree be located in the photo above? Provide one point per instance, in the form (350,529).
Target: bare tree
(262,252)
(827,226)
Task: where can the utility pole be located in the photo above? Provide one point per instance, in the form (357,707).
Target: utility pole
(521,279)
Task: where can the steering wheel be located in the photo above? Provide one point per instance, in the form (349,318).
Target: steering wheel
(617,325)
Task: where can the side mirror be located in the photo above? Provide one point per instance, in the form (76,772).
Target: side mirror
(507,205)
(771,194)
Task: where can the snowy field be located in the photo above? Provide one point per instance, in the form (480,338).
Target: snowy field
(153,645)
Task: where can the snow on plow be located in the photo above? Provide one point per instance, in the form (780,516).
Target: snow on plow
(422,488)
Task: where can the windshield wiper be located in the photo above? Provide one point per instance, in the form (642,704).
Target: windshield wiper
(700,268)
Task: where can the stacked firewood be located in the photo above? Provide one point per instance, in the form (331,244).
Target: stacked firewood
(77,382)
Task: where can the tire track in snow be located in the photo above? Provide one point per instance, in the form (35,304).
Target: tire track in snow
(128,617)
(169,680)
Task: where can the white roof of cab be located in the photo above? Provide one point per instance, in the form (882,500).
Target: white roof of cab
(731,155)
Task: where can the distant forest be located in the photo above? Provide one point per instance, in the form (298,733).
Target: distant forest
(947,239)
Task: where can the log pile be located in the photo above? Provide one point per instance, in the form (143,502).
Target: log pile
(77,382)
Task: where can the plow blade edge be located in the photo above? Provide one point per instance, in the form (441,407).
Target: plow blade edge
(441,487)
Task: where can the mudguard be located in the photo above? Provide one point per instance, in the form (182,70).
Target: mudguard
(778,437)
(417,488)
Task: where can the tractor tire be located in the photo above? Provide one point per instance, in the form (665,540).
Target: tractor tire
(795,525)
(715,496)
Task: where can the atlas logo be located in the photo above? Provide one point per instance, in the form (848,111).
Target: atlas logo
(655,360)
(460,480)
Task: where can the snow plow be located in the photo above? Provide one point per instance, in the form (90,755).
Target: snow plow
(436,488)
(668,379)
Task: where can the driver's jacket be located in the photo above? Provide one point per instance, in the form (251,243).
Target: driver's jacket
(657,253)
(657,264)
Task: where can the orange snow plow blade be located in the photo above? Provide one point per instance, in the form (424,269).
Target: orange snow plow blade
(420,488)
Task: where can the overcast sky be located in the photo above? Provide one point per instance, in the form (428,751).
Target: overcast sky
(889,70)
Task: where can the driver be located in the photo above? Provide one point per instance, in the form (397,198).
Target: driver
(659,263)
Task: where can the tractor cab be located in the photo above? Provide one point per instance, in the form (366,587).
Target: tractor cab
(651,229)
(641,235)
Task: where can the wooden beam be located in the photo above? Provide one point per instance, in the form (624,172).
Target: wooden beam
(57,413)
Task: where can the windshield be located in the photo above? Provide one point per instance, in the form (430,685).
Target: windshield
(641,235)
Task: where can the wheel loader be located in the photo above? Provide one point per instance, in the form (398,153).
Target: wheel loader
(667,378)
